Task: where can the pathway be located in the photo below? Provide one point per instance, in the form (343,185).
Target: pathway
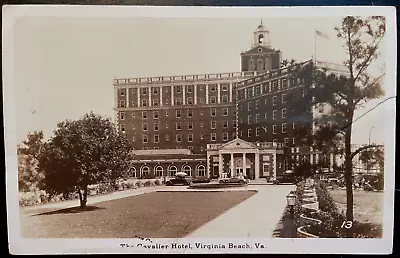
(255,217)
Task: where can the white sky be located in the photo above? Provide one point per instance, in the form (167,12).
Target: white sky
(64,67)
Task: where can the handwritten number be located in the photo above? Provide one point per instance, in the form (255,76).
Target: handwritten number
(347,224)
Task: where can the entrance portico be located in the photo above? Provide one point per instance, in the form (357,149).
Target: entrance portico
(239,157)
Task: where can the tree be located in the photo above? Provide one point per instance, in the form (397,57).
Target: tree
(84,152)
(346,93)
(29,177)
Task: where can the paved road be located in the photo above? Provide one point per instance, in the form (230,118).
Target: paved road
(255,217)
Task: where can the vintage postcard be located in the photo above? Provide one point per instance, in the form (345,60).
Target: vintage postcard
(133,129)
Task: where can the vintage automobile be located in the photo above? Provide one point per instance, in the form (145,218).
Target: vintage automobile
(178,180)
(233,180)
(284,179)
(201,179)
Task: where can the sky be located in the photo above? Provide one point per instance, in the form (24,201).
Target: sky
(65,66)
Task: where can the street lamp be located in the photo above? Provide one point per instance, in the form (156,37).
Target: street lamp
(291,201)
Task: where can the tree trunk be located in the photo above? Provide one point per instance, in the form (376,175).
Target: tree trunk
(83,196)
(348,175)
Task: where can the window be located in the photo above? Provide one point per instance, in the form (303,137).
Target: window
(201,100)
(178,138)
(190,113)
(293,141)
(225,123)
(156,138)
(274,99)
(213,100)
(133,114)
(122,115)
(144,102)
(189,100)
(122,92)
(249,106)
(284,113)
(266,101)
(201,112)
(178,126)
(178,101)
(213,124)
(122,103)
(172,170)
(133,138)
(275,140)
(155,90)
(257,104)
(213,112)
(143,91)
(224,99)
(249,132)
(155,102)
(225,111)
(284,128)
(189,88)
(284,98)
(190,137)
(225,136)
(274,129)
(144,138)
(224,88)
(133,127)
(257,118)
(293,126)
(190,147)
(265,116)
(167,137)
(190,125)
(166,113)
(234,124)
(284,83)
(178,114)
(286,141)
(159,171)
(274,115)
(122,127)
(257,131)
(155,114)
(178,89)
(201,136)
(144,127)
(156,126)
(213,88)
(133,103)
(201,124)
(201,170)
(213,137)
(249,119)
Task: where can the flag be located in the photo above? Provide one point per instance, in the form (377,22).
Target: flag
(321,34)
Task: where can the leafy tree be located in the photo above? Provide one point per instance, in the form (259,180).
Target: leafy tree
(83,152)
(346,93)
(29,177)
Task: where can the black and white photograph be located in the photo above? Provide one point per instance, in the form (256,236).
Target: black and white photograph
(133,129)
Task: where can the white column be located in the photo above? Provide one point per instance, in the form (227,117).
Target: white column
(149,91)
(172,95)
(230,92)
(218,93)
(220,165)
(257,165)
(184,94)
(208,165)
(244,164)
(127,97)
(138,96)
(245,93)
(232,166)
(331,161)
(195,93)
(161,95)
(274,172)
(206,93)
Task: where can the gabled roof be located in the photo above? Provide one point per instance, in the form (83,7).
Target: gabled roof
(237,144)
(254,50)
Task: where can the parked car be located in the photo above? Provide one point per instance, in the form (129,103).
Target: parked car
(288,179)
(201,179)
(233,180)
(178,180)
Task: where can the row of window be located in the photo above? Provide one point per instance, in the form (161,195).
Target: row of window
(257,116)
(270,86)
(171,171)
(179,89)
(179,137)
(265,129)
(178,125)
(178,113)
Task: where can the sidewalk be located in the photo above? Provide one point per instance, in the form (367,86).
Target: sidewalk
(255,217)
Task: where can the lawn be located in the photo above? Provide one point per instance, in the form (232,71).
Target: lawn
(153,215)
(367,205)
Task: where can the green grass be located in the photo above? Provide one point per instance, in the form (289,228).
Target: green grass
(368,206)
(153,215)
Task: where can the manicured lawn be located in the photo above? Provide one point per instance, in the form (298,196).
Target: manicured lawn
(367,205)
(156,215)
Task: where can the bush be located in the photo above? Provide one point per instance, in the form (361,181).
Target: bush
(157,182)
(105,188)
(148,183)
(139,184)
(325,200)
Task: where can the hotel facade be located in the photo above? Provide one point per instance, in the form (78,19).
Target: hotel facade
(223,123)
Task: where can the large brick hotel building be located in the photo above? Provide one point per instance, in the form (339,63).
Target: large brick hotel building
(209,124)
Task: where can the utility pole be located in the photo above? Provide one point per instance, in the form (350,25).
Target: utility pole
(369,143)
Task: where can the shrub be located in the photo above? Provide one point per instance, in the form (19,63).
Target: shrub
(325,200)
(130,185)
(105,188)
(157,182)
(139,184)
(148,183)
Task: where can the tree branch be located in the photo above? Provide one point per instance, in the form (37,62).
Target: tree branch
(364,148)
(367,60)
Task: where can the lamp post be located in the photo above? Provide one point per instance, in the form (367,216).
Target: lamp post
(369,143)
(291,201)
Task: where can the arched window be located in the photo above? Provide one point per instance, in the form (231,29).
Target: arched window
(172,170)
(260,65)
(145,170)
(201,170)
(260,38)
(187,169)
(132,172)
(159,171)
(251,65)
